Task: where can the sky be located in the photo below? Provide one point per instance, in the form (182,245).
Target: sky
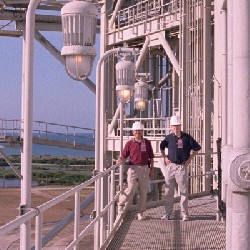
(56,97)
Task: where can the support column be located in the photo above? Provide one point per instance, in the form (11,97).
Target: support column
(241,76)
(227,150)
(27,115)
(207,78)
(239,181)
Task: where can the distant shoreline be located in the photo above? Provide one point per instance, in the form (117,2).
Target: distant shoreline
(49,151)
(47,170)
(53,156)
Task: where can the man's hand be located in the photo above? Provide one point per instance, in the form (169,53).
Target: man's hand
(166,160)
(120,160)
(151,174)
(187,162)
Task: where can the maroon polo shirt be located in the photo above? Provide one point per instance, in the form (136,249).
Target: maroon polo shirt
(138,152)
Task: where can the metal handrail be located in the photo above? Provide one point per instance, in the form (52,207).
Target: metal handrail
(153,127)
(38,212)
(78,236)
(47,130)
(144,10)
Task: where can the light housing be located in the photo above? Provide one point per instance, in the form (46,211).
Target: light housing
(125,78)
(141,95)
(79,33)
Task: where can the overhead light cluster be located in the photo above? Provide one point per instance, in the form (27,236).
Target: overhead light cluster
(79,20)
(127,85)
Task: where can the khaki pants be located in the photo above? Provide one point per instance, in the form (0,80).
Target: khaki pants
(178,173)
(134,174)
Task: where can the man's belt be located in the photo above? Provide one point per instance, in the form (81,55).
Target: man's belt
(138,164)
(178,163)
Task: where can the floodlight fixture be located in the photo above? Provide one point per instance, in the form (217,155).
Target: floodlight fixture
(125,78)
(79,20)
(141,94)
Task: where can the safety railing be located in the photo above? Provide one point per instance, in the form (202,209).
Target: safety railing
(105,217)
(46,131)
(39,211)
(144,10)
(153,127)
(71,134)
(10,127)
(108,211)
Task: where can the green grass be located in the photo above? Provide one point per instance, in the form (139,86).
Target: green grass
(47,174)
(50,177)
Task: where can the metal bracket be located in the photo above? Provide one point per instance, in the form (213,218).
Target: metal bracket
(95,172)
(24,208)
(93,214)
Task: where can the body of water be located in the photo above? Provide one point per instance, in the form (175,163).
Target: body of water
(13,183)
(49,150)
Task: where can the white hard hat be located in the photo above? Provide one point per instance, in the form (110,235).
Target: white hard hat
(175,120)
(137,126)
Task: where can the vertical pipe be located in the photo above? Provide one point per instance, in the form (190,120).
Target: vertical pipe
(227,152)
(224,77)
(121,146)
(77,218)
(230,21)
(184,37)
(102,124)
(98,128)
(207,81)
(23,85)
(240,215)
(25,229)
(112,194)
(38,236)
(100,104)
(224,96)
(241,76)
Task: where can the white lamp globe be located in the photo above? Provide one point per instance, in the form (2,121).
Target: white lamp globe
(125,78)
(141,95)
(79,33)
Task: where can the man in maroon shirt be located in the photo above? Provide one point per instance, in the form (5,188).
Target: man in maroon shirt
(140,152)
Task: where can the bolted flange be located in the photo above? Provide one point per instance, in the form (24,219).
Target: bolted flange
(240,171)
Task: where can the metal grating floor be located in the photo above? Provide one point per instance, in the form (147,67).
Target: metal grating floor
(202,231)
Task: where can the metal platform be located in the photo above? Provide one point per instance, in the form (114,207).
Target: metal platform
(51,134)
(202,231)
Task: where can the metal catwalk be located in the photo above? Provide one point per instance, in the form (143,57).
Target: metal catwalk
(202,231)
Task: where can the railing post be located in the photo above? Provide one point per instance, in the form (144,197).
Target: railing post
(46,130)
(38,235)
(77,218)
(67,132)
(112,194)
